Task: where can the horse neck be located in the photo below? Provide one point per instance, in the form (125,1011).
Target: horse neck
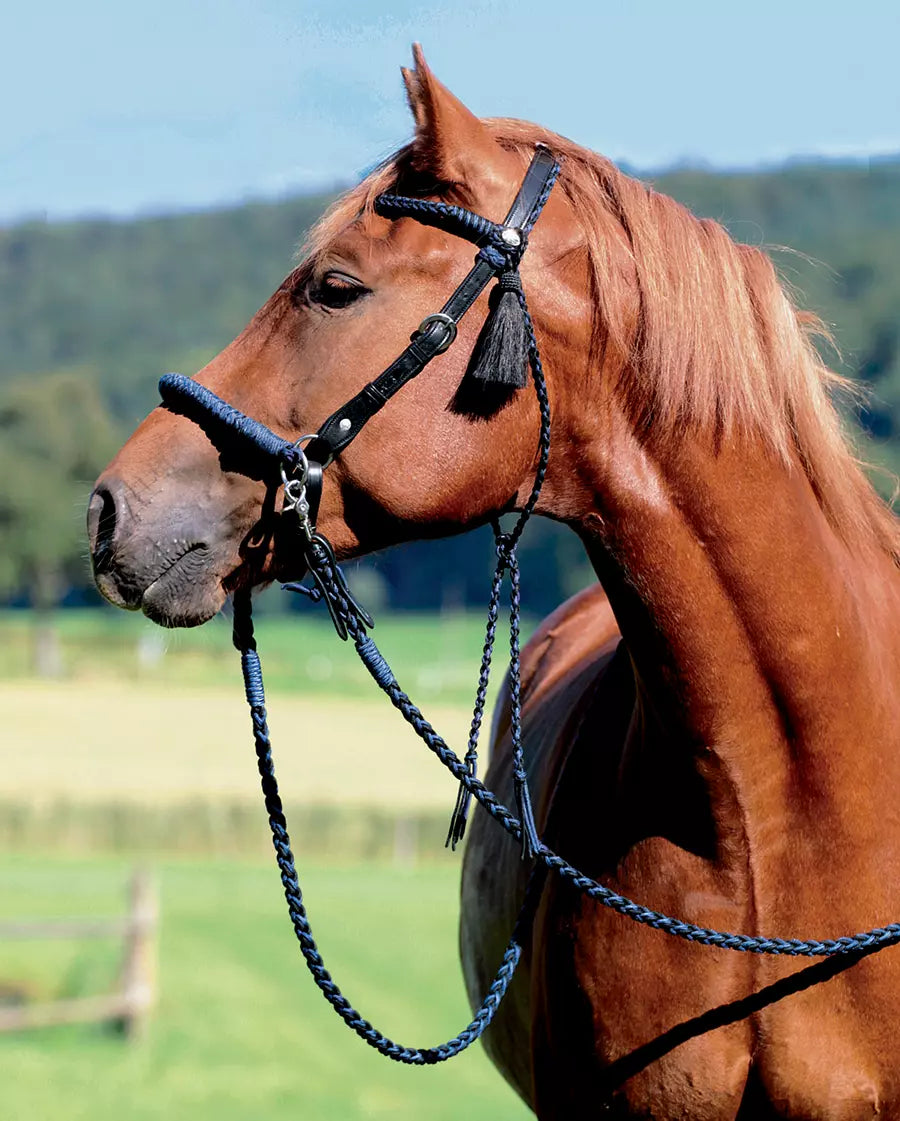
(764,648)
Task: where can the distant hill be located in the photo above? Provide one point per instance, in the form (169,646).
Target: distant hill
(131,299)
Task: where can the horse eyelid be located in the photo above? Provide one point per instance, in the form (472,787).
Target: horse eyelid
(346,291)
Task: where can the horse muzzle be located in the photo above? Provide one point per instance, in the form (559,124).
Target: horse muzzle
(166,567)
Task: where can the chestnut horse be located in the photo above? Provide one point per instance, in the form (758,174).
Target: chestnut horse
(736,760)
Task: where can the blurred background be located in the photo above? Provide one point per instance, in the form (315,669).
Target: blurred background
(158,169)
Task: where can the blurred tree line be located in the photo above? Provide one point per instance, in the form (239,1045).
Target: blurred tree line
(91,312)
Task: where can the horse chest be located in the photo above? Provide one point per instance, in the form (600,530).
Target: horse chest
(627,1028)
(654,1027)
(626,1016)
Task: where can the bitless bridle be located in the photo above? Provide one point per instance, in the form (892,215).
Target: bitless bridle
(300,466)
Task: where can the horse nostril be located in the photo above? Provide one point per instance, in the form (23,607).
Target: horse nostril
(101,525)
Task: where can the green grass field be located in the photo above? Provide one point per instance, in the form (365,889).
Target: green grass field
(241,1033)
(144,746)
(435,657)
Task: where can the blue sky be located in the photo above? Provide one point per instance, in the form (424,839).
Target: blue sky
(121,108)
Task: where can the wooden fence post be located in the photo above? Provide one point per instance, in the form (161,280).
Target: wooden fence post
(139,964)
(406,841)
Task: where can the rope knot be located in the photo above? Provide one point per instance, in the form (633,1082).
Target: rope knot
(291,458)
(497,256)
(506,551)
(501,254)
(509,281)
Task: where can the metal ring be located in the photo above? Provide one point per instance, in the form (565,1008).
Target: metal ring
(448,321)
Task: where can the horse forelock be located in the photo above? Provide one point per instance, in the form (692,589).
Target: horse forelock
(711,340)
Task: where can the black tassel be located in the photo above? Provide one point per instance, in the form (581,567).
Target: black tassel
(502,348)
(531,842)
(460,816)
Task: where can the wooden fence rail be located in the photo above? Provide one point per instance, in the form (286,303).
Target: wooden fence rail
(130,1005)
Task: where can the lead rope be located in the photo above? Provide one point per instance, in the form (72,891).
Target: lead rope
(373,660)
(875,938)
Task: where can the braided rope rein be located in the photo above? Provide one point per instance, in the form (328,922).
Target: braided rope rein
(876,938)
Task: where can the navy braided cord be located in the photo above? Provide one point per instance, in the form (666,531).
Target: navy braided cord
(180,393)
(542,198)
(540,388)
(453,219)
(531,842)
(417,1056)
(457,829)
(459,221)
(499,254)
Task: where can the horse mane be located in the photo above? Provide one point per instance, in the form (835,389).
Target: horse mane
(709,339)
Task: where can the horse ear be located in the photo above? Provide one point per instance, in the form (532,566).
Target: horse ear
(451,143)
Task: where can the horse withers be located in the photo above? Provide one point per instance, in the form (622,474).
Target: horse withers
(735,760)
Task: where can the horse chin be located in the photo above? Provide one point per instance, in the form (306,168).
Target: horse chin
(171,607)
(186,594)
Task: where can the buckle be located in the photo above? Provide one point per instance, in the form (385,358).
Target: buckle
(438,317)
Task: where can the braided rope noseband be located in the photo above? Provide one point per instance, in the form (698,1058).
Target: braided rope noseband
(500,250)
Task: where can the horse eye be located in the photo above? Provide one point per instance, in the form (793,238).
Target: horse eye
(336,290)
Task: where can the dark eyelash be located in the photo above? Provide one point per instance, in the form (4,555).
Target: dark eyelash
(335,291)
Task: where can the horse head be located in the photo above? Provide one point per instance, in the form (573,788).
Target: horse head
(176,524)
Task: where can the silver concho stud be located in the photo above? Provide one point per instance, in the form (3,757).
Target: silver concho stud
(344,424)
(511,236)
